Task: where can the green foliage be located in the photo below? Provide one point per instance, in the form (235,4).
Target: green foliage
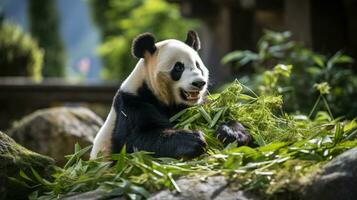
(120,21)
(290,146)
(44,27)
(19,53)
(309,68)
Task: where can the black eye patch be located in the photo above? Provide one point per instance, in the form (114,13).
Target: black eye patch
(177,71)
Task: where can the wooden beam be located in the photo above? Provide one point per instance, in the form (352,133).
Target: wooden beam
(56,91)
(19,97)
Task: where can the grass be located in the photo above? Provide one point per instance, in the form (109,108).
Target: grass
(289,146)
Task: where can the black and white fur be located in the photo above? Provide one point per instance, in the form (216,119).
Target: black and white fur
(170,76)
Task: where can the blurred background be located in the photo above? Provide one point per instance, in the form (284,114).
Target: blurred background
(75,53)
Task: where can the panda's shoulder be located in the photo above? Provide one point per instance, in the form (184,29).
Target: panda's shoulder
(143,98)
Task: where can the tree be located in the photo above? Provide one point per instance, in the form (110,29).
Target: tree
(121,20)
(44,27)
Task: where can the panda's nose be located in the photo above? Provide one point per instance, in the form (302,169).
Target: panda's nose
(199,84)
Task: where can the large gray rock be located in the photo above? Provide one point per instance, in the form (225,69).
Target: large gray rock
(336,180)
(55,131)
(215,187)
(14,157)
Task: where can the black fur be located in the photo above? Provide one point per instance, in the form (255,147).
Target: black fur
(143,123)
(177,71)
(234,131)
(142,43)
(193,40)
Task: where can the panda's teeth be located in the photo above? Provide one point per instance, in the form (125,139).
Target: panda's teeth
(186,93)
(191,95)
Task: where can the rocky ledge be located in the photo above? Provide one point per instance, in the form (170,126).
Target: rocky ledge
(13,158)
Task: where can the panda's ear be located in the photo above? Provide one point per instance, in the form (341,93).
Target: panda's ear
(143,43)
(193,40)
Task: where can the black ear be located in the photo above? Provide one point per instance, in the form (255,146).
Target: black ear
(143,43)
(193,40)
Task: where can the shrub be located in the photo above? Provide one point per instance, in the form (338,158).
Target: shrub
(19,53)
(308,68)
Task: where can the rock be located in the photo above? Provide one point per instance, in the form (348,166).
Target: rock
(14,157)
(336,180)
(97,194)
(55,131)
(215,187)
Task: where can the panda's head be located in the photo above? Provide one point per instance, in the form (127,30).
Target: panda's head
(173,69)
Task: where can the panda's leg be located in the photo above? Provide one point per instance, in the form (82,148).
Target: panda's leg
(172,143)
(102,141)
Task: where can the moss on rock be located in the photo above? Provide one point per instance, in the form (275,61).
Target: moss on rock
(13,158)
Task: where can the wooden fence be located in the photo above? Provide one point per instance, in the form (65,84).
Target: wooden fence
(19,96)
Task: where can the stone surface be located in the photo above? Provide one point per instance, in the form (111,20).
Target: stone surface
(55,131)
(93,195)
(14,157)
(336,180)
(215,187)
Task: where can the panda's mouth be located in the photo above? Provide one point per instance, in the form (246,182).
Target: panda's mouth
(192,95)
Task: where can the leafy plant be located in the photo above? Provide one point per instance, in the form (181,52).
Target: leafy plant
(20,54)
(289,146)
(308,69)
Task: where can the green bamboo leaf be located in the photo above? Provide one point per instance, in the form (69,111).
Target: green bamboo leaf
(140,190)
(216,118)
(205,114)
(77,155)
(178,115)
(23,175)
(40,179)
(173,182)
(120,162)
(338,133)
(191,119)
(352,134)
(19,182)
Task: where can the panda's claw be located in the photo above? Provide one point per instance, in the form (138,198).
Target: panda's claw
(234,131)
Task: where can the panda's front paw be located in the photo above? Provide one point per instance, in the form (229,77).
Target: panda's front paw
(234,131)
(189,144)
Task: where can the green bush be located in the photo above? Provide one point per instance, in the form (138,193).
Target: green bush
(308,68)
(121,20)
(19,53)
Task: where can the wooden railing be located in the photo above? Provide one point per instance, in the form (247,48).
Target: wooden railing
(19,96)
(55,90)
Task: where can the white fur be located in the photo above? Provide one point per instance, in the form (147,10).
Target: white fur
(135,79)
(102,141)
(172,51)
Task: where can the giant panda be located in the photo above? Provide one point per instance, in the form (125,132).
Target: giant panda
(169,77)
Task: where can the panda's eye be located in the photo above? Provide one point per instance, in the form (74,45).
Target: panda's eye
(179,67)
